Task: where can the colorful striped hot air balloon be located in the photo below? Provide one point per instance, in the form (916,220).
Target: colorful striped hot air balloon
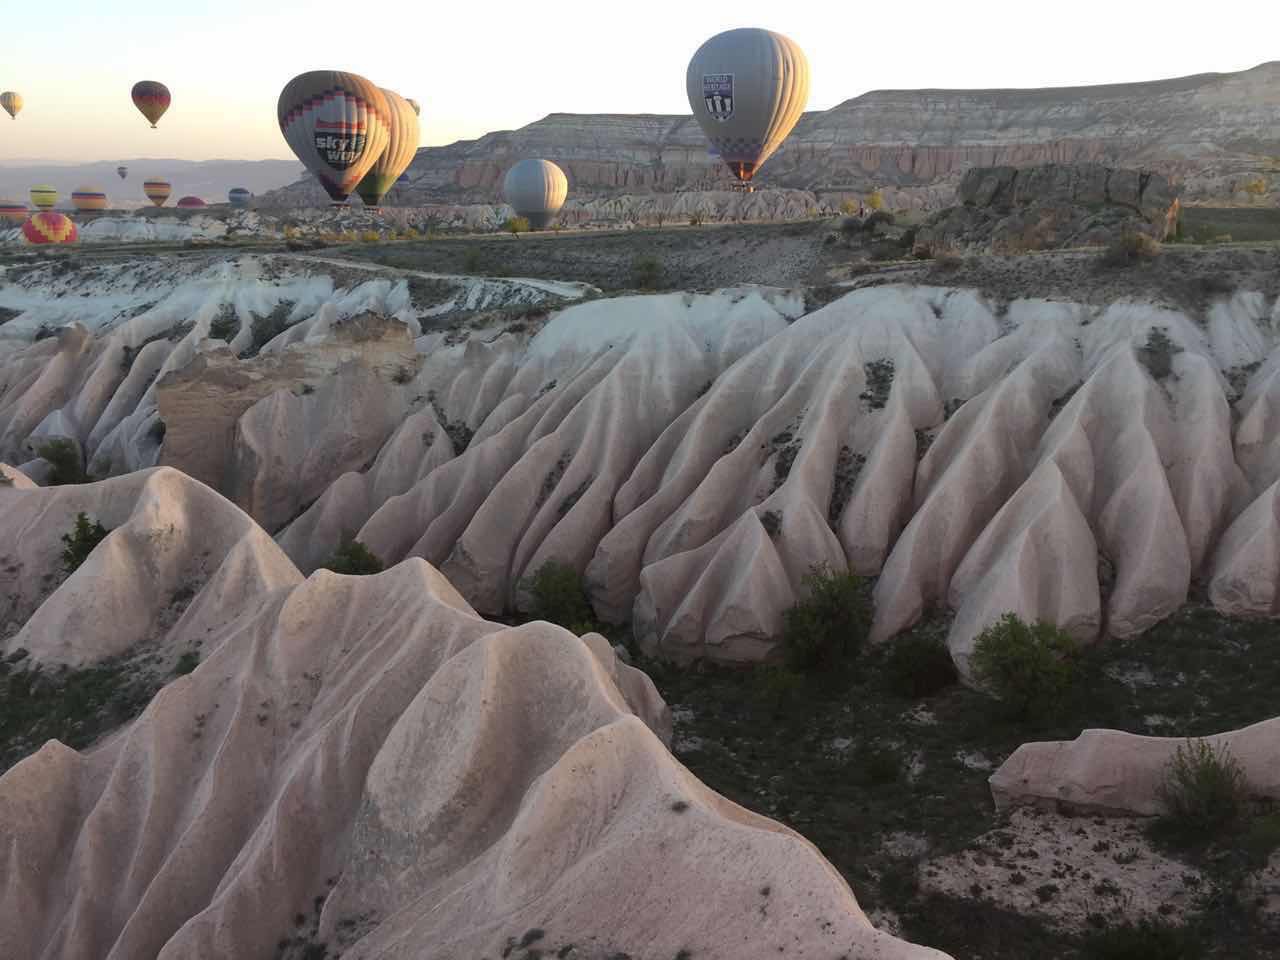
(337,123)
(11,100)
(190,203)
(122,171)
(239,197)
(89,198)
(157,191)
(47,227)
(13,210)
(152,99)
(402,147)
(44,196)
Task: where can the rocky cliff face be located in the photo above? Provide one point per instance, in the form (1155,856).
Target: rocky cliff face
(1211,131)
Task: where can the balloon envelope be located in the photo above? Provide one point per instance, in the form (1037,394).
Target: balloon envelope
(11,100)
(157,191)
(49,227)
(417,107)
(747,89)
(13,210)
(536,190)
(188,203)
(239,197)
(89,198)
(44,196)
(122,171)
(402,147)
(337,124)
(152,99)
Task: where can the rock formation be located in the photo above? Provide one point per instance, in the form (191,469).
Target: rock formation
(1015,210)
(1208,130)
(365,765)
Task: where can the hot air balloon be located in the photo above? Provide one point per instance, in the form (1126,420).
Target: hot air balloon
(747,89)
(157,191)
(44,196)
(47,227)
(12,103)
(152,100)
(122,171)
(417,107)
(337,123)
(13,210)
(239,197)
(536,190)
(402,146)
(190,203)
(88,198)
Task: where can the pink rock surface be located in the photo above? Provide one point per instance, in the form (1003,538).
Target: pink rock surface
(1115,772)
(369,754)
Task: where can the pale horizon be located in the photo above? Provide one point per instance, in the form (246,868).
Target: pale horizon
(479,72)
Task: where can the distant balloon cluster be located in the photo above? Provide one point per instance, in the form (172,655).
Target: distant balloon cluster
(747,89)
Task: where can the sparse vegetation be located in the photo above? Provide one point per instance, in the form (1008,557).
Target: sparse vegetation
(559,595)
(226,324)
(1255,187)
(370,236)
(65,463)
(1032,669)
(1158,352)
(267,328)
(824,630)
(1204,792)
(186,663)
(1143,941)
(353,559)
(84,536)
(646,272)
(879,374)
(516,225)
(1129,248)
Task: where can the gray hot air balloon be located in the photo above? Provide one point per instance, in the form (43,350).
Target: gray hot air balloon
(536,190)
(747,89)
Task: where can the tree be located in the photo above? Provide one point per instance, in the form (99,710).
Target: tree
(875,200)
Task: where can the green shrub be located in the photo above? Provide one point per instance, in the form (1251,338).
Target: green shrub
(471,260)
(825,630)
(64,461)
(1129,248)
(1031,668)
(186,663)
(778,686)
(919,666)
(560,596)
(1204,791)
(1143,941)
(353,559)
(225,325)
(875,200)
(646,272)
(84,536)
(516,225)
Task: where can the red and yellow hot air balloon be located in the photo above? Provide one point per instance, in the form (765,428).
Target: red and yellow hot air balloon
(190,203)
(402,147)
(338,124)
(89,198)
(48,227)
(152,99)
(157,191)
(13,211)
(11,100)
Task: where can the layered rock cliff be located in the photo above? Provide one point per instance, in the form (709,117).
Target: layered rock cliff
(1211,131)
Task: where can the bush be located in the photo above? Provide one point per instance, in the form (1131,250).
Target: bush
(560,596)
(875,200)
(186,663)
(778,686)
(825,630)
(1142,941)
(1204,791)
(354,559)
(84,536)
(1131,247)
(848,207)
(63,457)
(471,260)
(370,236)
(1255,187)
(516,225)
(646,273)
(919,666)
(695,219)
(1030,668)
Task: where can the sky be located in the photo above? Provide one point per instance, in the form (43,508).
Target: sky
(478,67)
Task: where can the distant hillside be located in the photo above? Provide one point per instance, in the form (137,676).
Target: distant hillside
(208,179)
(1210,131)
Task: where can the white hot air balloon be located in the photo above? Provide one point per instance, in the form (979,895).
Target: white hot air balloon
(536,190)
(747,89)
